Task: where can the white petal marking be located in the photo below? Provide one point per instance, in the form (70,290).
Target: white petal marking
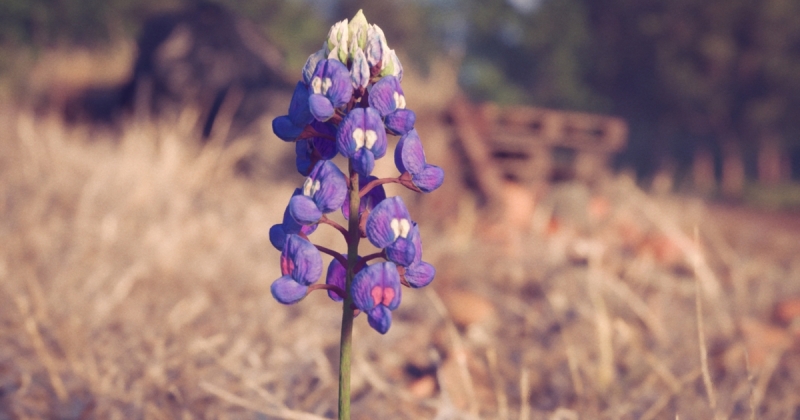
(395,225)
(372,137)
(315,187)
(405,227)
(326,84)
(358,136)
(307,187)
(316,85)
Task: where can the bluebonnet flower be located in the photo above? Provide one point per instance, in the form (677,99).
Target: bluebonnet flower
(376,292)
(314,149)
(388,226)
(361,137)
(369,201)
(349,99)
(324,191)
(409,157)
(301,266)
(279,232)
(330,88)
(387,97)
(289,127)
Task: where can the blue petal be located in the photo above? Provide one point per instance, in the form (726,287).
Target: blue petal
(304,210)
(321,107)
(382,95)
(401,252)
(299,113)
(409,155)
(303,259)
(420,274)
(277,236)
(429,179)
(379,223)
(363,161)
(380,319)
(287,291)
(401,121)
(333,186)
(337,276)
(285,129)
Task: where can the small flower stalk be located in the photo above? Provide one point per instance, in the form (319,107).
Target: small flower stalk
(348,101)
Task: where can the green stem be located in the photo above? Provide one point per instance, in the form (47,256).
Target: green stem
(346,343)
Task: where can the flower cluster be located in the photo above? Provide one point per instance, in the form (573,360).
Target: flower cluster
(349,100)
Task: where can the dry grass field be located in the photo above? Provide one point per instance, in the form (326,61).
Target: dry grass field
(135,269)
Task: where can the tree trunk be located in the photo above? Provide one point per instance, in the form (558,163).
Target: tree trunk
(771,169)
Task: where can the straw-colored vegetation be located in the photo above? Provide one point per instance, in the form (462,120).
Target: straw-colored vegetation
(135,270)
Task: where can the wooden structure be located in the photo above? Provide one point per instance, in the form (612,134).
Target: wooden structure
(529,144)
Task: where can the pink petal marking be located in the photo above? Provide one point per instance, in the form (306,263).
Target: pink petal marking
(287,265)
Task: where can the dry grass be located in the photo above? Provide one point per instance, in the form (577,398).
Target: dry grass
(135,274)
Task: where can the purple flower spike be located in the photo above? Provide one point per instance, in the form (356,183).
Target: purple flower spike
(329,89)
(289,127)
(387,97)
(324,191)
(337,276)
(410,157)
(314,149)
(377,286)
(278,233)
(301,266)
(388,221)
(362,137)
(369,201)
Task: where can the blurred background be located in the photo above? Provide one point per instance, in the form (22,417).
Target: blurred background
(694,80)
(617,236)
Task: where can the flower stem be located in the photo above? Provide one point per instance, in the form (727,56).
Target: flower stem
(346,342)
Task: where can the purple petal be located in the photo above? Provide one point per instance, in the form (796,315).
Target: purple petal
(429,179)
(362,128)
(301,260)
(277,236)
(386,95)
(298,106)
(401,121)
(285,129)
(337,276)
(321,107)
(409,155)
(364,162)
(401,252)
(377,284)
(287,291)
(332,79)
(304,210)
(305,156)
(380,319)
(388,221)
(332,189)
(420,274)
